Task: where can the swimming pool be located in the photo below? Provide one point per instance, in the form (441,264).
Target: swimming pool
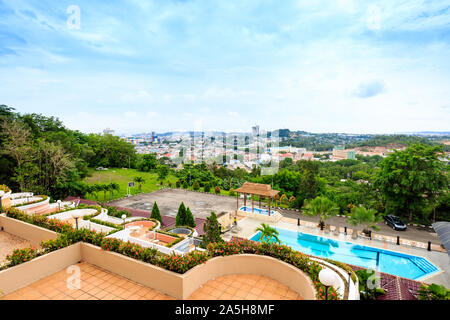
(399,264)
(257,210)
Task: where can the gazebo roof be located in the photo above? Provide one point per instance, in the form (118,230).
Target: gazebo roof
(258,189)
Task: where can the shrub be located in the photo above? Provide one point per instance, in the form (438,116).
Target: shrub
(4,188)
(20,256)
(196,185)
(155,213)
(217,190)
(181,215)
(231,192)
(190,220)
(281,252)
(211,227)
(433,292)
(207,187)
(178,184)
(182,263)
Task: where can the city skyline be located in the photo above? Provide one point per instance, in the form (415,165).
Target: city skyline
(329,66)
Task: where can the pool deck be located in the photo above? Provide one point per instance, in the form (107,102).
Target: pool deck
(247,228)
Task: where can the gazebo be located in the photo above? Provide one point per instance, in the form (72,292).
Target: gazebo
(262,190)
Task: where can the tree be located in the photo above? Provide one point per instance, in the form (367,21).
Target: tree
(147,162)
(114,186)
(268,234)
(155,213)
(190,220)
(139,181)
(322,207)
(181,215)
(211,227)
(407,178)
(196,185)
(163,171)
(365,217)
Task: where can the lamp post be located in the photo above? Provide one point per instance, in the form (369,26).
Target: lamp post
(327,278)
(76,215)
(124,216)
(59,205)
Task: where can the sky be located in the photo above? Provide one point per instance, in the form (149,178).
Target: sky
(349,66)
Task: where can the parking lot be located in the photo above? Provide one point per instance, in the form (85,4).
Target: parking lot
(169,200)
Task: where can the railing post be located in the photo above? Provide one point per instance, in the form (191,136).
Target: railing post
(345,230)
(298,222)
(429,246)
(398,240)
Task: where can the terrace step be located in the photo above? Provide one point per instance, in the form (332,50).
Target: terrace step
(424,264)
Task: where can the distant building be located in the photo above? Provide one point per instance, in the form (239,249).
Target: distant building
(255,131)
(108,131)
(340,154)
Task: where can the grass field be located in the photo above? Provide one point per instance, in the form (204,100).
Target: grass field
(122,177)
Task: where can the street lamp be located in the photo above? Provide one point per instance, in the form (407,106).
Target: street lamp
(124,216)
(327,278)
(76,215)
(59,205)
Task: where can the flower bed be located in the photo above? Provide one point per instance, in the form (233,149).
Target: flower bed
(176,263)
(281,252)
(41,221)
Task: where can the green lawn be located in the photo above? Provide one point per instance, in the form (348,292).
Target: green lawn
(122,177)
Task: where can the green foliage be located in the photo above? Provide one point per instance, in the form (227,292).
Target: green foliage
(181,215)
(163,171)
(408,178)
(139,180)
(211,227)
(207,188)
(190,220)
(433,292)
(155,213)
(369,287)
(146,162)
(365,217)
(196,185)
(268,234)
(322,207)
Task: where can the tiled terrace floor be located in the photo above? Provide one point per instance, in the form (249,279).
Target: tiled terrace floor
(9,242)
(96,284)
(244,287)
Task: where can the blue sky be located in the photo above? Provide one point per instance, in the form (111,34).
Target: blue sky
(322,66)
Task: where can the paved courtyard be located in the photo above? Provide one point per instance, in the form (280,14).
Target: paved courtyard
(244,287)
(10,242)
(96,284)
(169,200)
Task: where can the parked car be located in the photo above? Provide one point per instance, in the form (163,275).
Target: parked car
(394,222)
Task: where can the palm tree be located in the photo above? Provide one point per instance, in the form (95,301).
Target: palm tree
(105,189)
(365,217)
(96,188)
(139,181)
(322,207)
(268,234)
(113,186)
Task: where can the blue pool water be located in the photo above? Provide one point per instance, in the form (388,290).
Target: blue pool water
(256,210)
(400,264)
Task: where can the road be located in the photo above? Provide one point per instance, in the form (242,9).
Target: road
(411,233)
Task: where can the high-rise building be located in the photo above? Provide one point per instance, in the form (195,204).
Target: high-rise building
(255,130)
